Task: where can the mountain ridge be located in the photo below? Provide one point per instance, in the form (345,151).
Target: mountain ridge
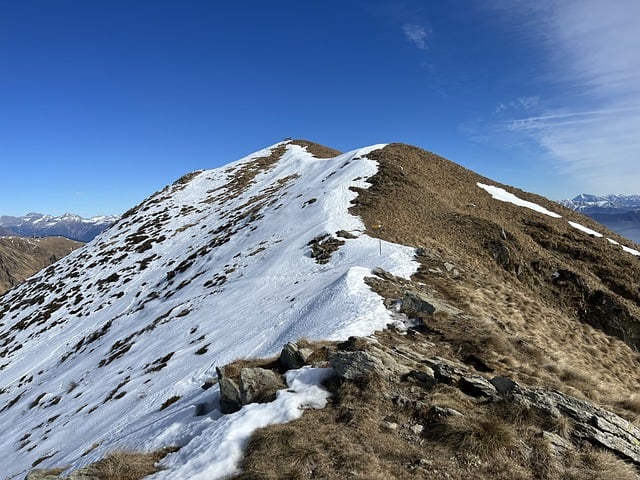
(263,251)
(69,225)
(620,213)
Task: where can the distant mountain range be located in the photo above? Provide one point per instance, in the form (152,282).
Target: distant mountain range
(68,225)
(620,213)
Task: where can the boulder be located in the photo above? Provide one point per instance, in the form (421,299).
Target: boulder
(259,385)
(414,303)
(503,385)
(477,386)
(229,393)
(424,378)
(353,365)
(293,357)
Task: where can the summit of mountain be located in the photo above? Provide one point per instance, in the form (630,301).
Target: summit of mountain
(120,344)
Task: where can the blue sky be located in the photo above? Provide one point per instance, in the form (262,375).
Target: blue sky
(103,102)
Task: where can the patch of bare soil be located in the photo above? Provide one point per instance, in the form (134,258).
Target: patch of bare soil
(22,257)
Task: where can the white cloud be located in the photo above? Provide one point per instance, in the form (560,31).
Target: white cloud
(519,104)
(416,34)
(591,129)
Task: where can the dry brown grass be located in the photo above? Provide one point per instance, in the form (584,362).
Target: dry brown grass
(22,257)
(122,465)
(596,464)
(232,370)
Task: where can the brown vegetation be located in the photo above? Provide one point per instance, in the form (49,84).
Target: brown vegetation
(120,465)
(22,257)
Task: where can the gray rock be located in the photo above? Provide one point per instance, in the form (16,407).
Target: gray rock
(353,365)
(293,357)
(229,393)
(503,385)
(390,426)
(415,302)
(558,444)
(500,253)
(591,423)
(445,372)
(477,386)
(259,385)
(443,412)
(424,378)
(417,428)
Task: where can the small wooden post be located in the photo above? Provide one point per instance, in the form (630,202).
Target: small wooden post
(377,227)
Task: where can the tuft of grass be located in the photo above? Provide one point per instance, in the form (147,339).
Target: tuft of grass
(596,464)
(121,465)
(169,401)
(484,437)
(631,403)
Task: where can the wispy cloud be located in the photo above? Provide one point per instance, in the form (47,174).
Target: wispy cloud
(416,34)
(519,104)
(592,129)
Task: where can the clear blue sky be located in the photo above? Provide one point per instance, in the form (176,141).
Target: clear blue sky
(103,102)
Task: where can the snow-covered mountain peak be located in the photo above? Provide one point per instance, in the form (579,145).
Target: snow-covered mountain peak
(68,225)
(214,267)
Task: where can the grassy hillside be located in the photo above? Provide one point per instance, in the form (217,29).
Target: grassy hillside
(22,257)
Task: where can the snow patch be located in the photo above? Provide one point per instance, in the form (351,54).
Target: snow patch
(504,196)
(584,229)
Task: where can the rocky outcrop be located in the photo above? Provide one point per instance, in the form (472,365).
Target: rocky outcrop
(323,246)
(259,385)
(354,365)
(591,423)
(230,400)
(292,356)
(414,303)
(253,385)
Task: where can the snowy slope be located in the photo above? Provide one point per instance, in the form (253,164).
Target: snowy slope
(214,267)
